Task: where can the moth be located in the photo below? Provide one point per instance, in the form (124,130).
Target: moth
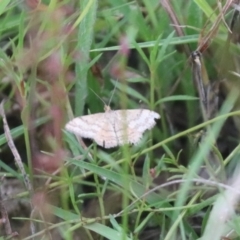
(114,127)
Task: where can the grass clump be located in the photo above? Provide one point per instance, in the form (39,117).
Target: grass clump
(181,180)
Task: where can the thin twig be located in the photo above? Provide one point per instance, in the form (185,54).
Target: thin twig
(14,150)
(222,15)
(233,189)
(17,158)
(213,30)
(175,22)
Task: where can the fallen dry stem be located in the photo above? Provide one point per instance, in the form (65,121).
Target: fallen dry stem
(17,157)
(4,215)
(14,150)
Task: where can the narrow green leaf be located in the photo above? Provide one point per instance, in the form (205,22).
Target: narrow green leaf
(10,170)
(63,214)
(202,4)
(140,51)
(131,92)
(146,172)
(174,41)
(119,179)
(107,232)
(85,36)
(176,98)
(3,6)
(162,51)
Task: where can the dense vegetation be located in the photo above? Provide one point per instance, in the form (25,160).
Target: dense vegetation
(63,59)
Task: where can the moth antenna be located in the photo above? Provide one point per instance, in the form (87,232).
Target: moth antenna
(113,92)
(98,96)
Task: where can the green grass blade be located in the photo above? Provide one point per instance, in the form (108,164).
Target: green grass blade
(85,39)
